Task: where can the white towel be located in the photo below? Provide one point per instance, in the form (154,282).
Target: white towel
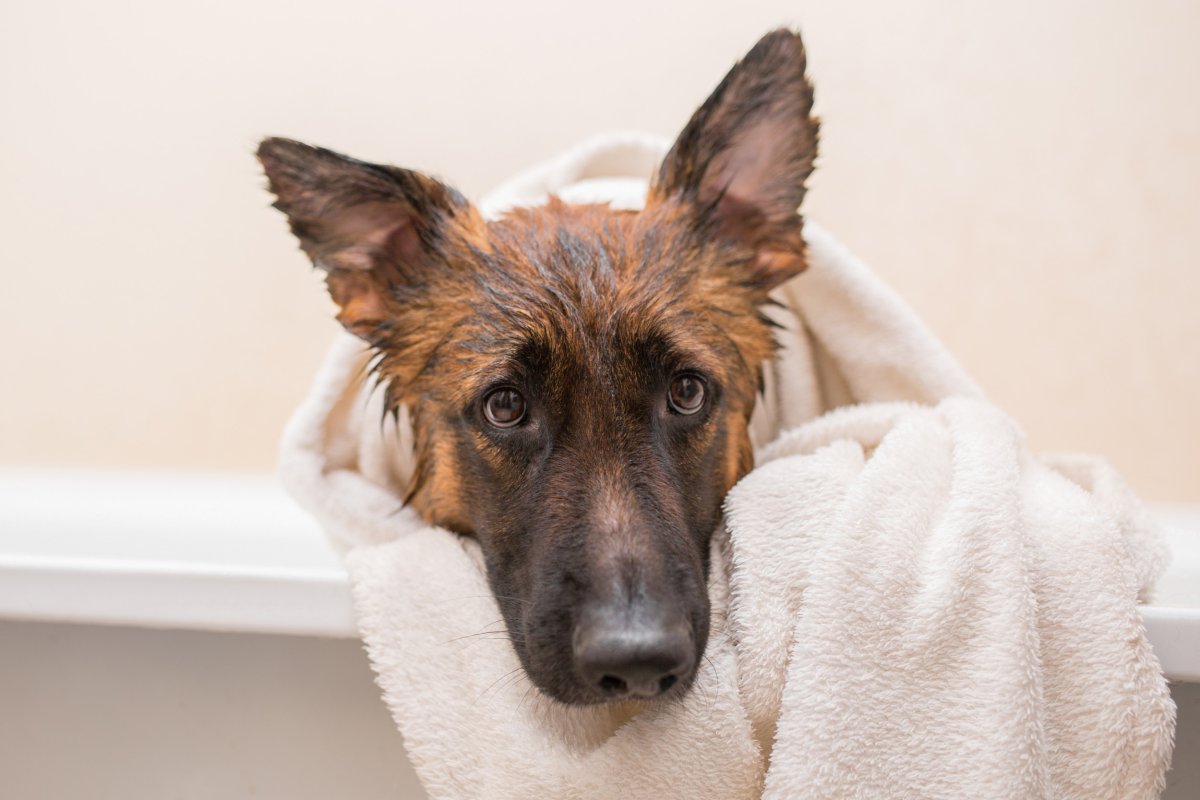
(906,603)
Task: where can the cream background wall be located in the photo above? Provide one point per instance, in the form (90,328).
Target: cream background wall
(1026,174)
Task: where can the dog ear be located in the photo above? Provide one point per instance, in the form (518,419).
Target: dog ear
(742,160)
(373,229)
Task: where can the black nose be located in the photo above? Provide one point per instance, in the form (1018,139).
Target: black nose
(622,654)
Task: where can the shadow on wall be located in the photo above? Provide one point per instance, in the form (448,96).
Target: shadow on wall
(142,713)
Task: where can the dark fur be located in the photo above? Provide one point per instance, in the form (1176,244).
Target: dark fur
(604,492)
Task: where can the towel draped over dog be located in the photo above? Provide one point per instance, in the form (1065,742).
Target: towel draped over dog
(906,602)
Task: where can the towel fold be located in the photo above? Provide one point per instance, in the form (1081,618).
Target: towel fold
(906,602)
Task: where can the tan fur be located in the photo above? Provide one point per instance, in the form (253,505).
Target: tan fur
(442,352)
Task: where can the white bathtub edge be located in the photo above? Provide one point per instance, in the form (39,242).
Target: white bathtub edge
(243,558)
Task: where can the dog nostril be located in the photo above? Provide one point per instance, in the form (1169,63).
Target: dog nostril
(611,684)
(622,657)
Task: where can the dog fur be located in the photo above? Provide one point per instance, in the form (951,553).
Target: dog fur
(603,494)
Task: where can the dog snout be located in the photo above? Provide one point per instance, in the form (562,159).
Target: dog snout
(633,651)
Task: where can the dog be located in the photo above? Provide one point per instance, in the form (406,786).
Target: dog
(579,379)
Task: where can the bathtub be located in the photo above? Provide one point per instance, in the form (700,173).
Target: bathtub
(191,636)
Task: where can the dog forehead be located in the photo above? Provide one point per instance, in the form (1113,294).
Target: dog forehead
(566,242)
(589,274)
(588,267)
(586,292)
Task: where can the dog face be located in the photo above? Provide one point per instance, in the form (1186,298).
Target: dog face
(580,380)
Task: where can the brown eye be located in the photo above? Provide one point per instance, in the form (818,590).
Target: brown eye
(687,394)
(504,408)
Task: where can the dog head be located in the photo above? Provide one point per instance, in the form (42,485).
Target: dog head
(579,379)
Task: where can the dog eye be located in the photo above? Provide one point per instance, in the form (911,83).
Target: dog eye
(504,407)
(687,393)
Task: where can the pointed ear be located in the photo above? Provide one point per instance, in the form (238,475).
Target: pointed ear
(373,229)
(743,159)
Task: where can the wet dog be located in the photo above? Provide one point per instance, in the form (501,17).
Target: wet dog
(579,379)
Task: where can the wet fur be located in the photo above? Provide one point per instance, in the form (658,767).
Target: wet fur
(590,312)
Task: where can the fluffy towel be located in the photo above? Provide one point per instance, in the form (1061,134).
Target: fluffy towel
(906,603)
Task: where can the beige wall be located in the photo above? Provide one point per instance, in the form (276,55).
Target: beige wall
(1025,173)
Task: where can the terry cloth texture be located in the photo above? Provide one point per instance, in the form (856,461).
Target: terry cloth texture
(906,602)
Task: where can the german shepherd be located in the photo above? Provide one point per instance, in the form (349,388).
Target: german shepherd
(579,379)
